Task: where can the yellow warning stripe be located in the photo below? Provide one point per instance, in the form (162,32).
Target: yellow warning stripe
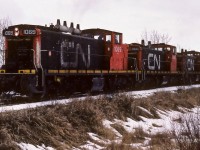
(103,71)
(82,71)
(72,71)
(63,71)
(97,71)
(2,71)
(33,71)
(90,71)
(52,71)
(27,71)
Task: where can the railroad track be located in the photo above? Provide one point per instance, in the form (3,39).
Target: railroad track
(10,98)
(14,99)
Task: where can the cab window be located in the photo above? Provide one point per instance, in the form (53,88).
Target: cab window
(117,39)
(98,37)
(108,38)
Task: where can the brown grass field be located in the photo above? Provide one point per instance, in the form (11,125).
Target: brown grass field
(67,126)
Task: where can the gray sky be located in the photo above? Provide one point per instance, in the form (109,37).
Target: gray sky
(177,18)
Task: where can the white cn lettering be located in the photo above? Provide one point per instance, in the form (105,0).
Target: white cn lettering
(190,64)
(153,61)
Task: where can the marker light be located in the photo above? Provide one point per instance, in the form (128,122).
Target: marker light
(16,31)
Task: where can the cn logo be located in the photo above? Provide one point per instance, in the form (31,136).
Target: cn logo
(190,64)
(153,62)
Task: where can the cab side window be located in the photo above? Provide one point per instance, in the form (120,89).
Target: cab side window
(117,40)
(98,37)
(108,38)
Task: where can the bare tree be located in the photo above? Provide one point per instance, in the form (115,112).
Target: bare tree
(155,37)
(4,23)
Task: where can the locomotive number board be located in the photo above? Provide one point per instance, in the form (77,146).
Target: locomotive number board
(19,32)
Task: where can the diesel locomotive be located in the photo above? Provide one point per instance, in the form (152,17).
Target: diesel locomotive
(41,60)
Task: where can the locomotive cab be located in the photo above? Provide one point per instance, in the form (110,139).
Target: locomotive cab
(170,56)
(115,52)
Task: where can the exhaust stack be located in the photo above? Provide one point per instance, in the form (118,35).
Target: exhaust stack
(62,28)
(77,30)
(71,28)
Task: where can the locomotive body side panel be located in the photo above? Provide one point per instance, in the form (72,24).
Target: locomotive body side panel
(153,60)
(190,63)
(185,63)
(173,63)
(64,51)
(119,59)
(197,62)
(135,57)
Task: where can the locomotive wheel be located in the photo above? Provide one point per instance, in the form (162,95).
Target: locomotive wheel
(28,87)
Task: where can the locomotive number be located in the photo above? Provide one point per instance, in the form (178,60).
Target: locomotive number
(8,32)
(117,49)
(29,32)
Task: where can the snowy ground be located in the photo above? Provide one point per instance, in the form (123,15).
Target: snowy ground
(152,126)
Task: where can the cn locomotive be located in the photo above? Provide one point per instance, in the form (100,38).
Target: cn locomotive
(40,60)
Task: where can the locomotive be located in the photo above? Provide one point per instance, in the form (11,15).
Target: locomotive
(40,60)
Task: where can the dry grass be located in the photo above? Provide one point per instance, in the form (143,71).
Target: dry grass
(120,146)
(161,141)
(138,136)
(66,126)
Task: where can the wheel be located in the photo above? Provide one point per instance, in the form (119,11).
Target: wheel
(28,87)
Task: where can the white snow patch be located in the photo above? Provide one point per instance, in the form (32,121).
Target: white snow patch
(107,124)
(146,93)
(145,110)
(25,146)
(91,146)
(98,138)
(149,125)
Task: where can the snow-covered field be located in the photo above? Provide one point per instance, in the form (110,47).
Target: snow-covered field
(152,126)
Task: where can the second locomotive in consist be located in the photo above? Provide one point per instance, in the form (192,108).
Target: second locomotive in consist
(40,60)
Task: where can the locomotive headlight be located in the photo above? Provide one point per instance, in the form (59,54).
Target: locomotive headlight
(16,31)
(58,79)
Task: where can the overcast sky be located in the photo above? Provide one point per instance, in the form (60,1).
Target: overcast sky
(177,18)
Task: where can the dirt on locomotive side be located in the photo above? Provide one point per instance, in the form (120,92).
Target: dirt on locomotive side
(67,126)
